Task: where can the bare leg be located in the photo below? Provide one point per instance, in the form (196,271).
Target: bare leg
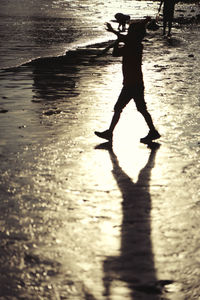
(123,99)
(148,120)
(153,133)
(169,27)
(145,114)
(164,26)
(114,121)
(108,134)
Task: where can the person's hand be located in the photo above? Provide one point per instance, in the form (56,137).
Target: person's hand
(109,27)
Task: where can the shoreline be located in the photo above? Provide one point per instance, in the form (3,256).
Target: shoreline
(183,17)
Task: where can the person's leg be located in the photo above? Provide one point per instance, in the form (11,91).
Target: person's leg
(169,27)
(123,99)
(114,120)
(142,108)
(153,134)
(164,26)
(107,134)
(148,120)
(170,17)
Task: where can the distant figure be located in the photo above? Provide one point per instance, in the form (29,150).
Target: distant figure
(168,14)
(122,20)
(133,86)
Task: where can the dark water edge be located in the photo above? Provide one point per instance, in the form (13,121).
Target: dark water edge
(92,50)
(52,35)
(72,57)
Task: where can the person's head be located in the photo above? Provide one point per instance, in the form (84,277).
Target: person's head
(121,18)
(137,31)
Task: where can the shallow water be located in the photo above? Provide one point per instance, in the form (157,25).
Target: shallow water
(48,28)
(39,28)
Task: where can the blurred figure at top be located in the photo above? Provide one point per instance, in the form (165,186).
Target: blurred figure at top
(168,14)
(122,20)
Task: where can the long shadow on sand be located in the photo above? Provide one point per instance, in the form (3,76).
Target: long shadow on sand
(134,268)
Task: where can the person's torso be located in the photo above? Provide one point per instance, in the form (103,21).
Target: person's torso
(132,65)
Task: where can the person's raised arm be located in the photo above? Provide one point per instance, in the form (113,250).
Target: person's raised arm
(120,36)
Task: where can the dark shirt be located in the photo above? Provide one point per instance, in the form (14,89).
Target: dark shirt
(131,63)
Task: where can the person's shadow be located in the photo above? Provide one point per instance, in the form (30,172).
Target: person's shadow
(134,267)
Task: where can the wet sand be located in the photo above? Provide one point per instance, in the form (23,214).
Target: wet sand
(80,220)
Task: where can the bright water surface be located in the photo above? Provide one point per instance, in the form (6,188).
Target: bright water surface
(38,28)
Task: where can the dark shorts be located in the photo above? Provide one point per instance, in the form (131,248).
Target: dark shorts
(128,93)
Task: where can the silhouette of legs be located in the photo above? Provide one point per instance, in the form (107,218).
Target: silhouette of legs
(114,120)
(168,15)
(164,26)
(124,98)
(165,23)
(169,27)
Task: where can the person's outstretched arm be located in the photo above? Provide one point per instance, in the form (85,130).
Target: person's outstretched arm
(120,36)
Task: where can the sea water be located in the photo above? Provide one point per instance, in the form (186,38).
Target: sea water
(47,28)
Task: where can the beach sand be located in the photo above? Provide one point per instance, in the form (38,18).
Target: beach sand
(82,221)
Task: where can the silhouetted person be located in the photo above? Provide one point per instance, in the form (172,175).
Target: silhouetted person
(168,14)
(122,20)
(133,86)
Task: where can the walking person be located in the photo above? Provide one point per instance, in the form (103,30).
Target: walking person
(168,14)
(133,85)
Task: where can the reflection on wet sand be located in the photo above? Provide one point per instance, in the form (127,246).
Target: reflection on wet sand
(58,77)
(135,265)
(53,79)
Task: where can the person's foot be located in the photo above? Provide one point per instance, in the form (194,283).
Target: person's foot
(107,134)
(152,135)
